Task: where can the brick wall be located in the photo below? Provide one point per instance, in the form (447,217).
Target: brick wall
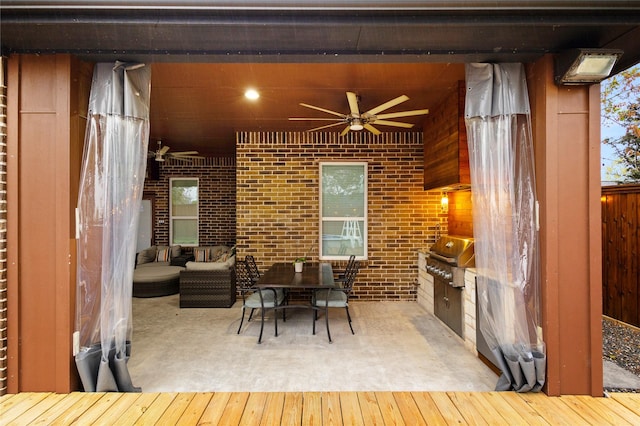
(217,213)
(277,202)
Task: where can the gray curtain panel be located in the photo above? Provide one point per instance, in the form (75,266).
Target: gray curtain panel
(498,122)
(109,200)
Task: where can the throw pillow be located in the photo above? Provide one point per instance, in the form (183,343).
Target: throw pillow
(147,255)
(163,255)
(201,254)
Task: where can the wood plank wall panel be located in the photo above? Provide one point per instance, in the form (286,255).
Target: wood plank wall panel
(446,155)
(3,226)
(45,145)
(567,148)
(621,253)
(460,215)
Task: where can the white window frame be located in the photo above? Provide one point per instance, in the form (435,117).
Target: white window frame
(173,217)
(364,219)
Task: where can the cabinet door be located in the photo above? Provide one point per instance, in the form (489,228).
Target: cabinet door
(455,309)
(439,304)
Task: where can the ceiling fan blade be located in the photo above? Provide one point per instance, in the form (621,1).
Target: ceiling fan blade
(328,111)
(163,150)
(372,129)
(387,105)
(188,157)
(352,98)
(314,118)
(403,113)
(182,153)
(393,123)
(345,131)
(324,127)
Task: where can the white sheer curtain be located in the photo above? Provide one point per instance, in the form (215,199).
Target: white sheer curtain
(498,122)
(109,200)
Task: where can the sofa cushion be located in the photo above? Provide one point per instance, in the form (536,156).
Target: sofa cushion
(153,264)
(211,266)
(164,254)
(158,273)
(201,254)
(147,255)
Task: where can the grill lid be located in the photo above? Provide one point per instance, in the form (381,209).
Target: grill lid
(458,251)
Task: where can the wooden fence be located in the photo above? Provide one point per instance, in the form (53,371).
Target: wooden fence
(621,252)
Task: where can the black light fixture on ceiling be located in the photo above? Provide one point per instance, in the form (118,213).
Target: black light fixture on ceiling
(585,66)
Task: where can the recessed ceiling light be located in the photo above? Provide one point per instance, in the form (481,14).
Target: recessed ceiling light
(251,94)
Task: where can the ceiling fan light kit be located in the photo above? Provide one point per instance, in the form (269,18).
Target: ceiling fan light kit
(357,121)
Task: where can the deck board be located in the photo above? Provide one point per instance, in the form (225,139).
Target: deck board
(292,411)
(408,408)
(154,411)
(29,417)
(317,408)
(135,409)
(312,409)
(331,411)
(428,408)
(371,415)
(389,409)
(274,405)
(350,409)
(195,409)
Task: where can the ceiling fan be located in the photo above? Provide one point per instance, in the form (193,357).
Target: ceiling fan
(356,120)
(161,153)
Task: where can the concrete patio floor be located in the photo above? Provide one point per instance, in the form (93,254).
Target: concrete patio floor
(397,346)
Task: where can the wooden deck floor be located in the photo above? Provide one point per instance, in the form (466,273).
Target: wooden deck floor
(318,408)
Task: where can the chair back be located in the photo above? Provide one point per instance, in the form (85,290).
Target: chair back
(350,275)
(350,262)
(244,280)
(254,272)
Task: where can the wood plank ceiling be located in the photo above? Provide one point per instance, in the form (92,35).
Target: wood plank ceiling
(201,106)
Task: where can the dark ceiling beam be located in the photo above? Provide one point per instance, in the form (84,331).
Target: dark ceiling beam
(319,31)
(325,5)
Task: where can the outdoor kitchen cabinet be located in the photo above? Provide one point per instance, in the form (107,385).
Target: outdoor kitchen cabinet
(448,305)
(446,155)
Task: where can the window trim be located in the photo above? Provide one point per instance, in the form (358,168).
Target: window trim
(172,217)
(364,232)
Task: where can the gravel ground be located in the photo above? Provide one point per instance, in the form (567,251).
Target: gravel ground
(621,345)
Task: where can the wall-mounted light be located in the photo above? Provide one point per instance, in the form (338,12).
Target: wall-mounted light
(585,66)
(444,204)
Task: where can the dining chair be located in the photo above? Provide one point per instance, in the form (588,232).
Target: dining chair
(255,298)
(336,297)
(253,268)
(340,275)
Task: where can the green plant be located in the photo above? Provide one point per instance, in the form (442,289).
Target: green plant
(300,259)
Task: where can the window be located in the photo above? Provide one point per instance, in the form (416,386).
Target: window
(343,210)
(183,211)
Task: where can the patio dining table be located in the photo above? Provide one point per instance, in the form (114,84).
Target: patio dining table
(314,276)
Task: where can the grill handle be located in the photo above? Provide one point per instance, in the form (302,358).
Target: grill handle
(450,260)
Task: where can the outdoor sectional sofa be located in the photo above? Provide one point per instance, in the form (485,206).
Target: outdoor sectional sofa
(154,274)
(209,280)
(205,280)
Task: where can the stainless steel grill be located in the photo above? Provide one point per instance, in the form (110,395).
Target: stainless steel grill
(448,257)
(446,261)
